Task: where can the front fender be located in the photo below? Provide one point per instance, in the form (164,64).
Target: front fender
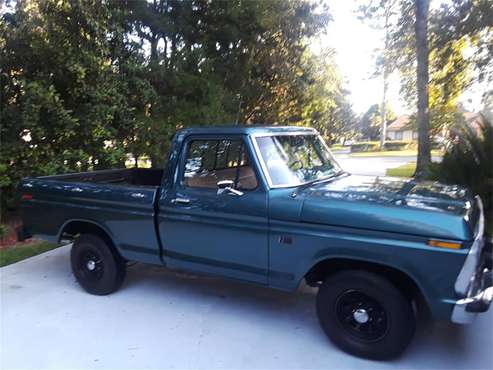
(434,270)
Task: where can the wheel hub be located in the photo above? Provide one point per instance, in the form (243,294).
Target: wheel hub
(91,265)
(361,316)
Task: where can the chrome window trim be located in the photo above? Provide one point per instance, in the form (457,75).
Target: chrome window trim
(263,165)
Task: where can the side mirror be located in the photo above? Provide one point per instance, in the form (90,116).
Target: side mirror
(227,186)
(224,184)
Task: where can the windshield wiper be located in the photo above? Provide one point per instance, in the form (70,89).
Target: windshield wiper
(317,181)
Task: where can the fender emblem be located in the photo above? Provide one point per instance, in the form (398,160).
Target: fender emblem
(285,240)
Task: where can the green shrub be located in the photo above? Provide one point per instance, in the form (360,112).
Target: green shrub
(368,146)
(399,145)
(4,230)
(406,170)
(468,161)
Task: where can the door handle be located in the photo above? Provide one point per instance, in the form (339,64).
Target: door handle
(180,201)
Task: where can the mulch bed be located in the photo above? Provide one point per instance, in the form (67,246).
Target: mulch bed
(11,238)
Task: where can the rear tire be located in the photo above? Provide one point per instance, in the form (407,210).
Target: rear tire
(365,314)
(96,266)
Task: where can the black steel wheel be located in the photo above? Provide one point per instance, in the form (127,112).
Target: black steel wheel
(96,266)
(91,265)
(365,314)
(361,315)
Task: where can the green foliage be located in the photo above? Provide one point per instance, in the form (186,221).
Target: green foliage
(468,161)
(4,230)
(20,252)
(374,146)
(365,147)
(399,145)
(327,107)
(85,84)
(370,122)
(461,44)
(465,22)
(406,170)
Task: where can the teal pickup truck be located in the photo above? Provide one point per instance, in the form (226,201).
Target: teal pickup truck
(270,206)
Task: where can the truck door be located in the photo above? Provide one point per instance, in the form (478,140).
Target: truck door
(208,229)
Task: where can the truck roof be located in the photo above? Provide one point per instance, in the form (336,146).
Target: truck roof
(244,129)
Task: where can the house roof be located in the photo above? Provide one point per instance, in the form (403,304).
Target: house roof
(399,123)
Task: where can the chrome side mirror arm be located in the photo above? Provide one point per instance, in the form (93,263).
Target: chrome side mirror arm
(226,186)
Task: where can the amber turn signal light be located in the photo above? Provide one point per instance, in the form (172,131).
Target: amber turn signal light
(442,244)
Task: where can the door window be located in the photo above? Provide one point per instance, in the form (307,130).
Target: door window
(210,161)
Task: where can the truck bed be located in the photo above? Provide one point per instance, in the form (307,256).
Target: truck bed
(121,201)
(126,176)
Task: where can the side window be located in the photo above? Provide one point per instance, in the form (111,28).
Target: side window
(211,161)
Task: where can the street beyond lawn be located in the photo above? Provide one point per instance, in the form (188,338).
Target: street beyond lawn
(375,165)
(161,319)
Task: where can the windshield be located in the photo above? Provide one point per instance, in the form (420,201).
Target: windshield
(292,160)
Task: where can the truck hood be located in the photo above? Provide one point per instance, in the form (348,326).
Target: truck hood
(393,205)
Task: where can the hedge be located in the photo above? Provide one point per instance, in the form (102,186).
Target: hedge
(399,145)
(365,147)
(374,146)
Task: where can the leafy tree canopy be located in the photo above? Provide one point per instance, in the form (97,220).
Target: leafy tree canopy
(89,84)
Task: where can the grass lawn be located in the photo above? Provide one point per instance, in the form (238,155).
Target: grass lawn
(337,147)
(406,170)
(394,153)
(22,251)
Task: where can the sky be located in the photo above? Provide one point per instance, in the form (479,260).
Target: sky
(355,43)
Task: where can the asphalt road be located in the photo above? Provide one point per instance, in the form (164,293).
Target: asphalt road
(376,165)
(161,319)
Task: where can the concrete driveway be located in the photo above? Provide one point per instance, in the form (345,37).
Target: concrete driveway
(161,319)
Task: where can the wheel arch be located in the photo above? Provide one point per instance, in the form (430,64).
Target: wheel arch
(74,227)
(401,279)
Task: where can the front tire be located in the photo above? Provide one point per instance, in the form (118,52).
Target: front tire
(365,314)
(96,266)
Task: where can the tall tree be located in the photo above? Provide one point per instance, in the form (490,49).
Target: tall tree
(459,42)
(422,81)
(88,84)
(382,15)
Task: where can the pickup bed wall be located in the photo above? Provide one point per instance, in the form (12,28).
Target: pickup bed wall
(121,202)
(129,176)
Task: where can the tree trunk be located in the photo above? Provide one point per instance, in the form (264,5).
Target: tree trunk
(421,29)
(386,69)
(383,128)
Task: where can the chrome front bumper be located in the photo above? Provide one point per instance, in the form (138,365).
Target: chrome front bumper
(474,282)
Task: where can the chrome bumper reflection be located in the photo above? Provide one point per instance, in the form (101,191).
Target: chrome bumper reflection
(474,282)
